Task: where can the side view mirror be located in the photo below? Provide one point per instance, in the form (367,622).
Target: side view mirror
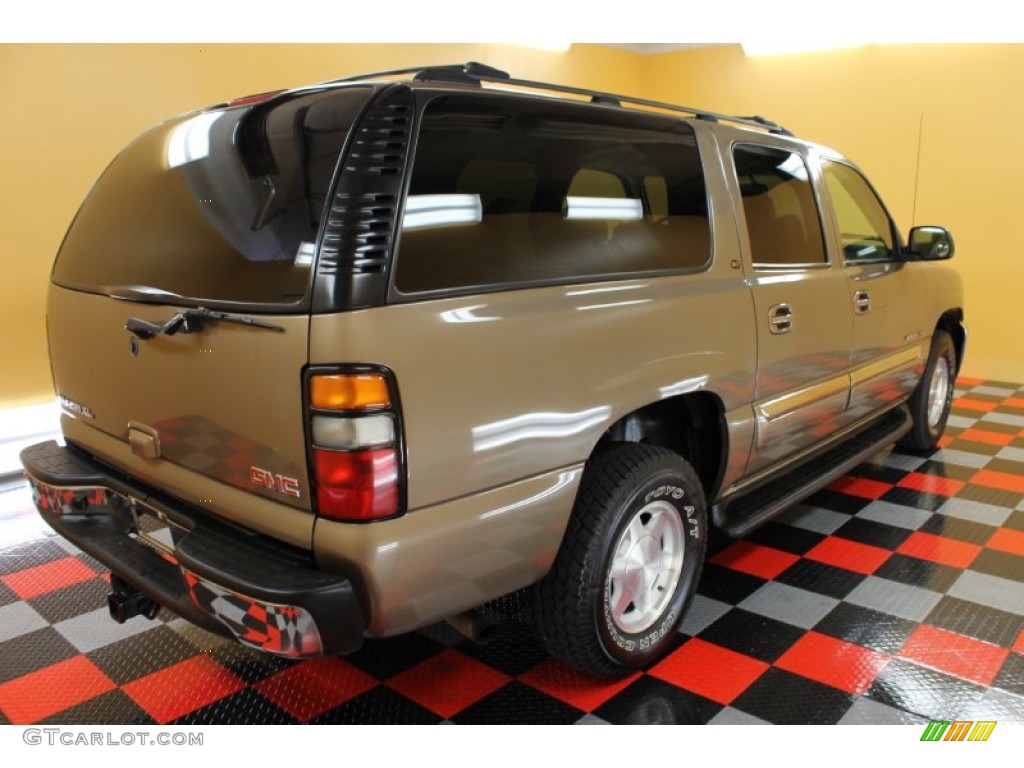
(930,243)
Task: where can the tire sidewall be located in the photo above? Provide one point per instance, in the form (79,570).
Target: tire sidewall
(942,350)
(674,488)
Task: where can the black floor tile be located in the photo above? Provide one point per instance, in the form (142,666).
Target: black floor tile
(880,472)
(752,635)
(1002,564)
(923,691)
(1015,521)
(135,657)
(787,538)
(946,469)
(978,621)
(1006,465)
(244,707)
(112,707)
(33,651)
(908,497)
(71,601)
(821,578)
(727,585)
(247,664)
(7,596)
(388,657)
(862,626)
(381,706)
(993,496)
(1011,677)
(513,649)
(787,699)
(29,555)
(518,704)
(956,528)
(873,533)
(650,701)
(973,446)
(918,573)
(838,502)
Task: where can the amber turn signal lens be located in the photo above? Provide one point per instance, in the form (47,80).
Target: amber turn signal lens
(349,391)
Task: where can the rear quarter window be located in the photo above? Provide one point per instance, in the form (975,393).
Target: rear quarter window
(512,192)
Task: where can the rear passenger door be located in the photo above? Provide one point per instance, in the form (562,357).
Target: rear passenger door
(889,332)
(800,302)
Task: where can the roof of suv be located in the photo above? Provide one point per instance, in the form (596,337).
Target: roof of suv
(476,75)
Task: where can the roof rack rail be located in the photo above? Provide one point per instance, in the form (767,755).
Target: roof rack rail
(475,73)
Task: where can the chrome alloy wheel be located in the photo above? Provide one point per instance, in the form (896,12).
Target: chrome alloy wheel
(646,564)
(938,392)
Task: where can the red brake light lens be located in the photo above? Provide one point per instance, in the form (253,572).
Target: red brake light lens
(357,485)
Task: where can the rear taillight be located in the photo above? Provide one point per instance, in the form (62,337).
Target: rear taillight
(354,432)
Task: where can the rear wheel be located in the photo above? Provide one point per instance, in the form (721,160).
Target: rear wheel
(931,401)
(629,562)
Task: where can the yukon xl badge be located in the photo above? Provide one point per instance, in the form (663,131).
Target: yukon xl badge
(70,405)
(275,482)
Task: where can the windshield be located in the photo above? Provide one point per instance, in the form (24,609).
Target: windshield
(222,206)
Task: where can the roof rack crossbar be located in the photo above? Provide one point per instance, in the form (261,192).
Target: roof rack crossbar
(475,73)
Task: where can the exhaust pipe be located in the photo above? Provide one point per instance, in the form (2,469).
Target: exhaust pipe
(126,602)
(479,626)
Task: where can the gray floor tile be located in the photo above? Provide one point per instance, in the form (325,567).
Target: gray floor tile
(913,603)
(868,712)
(591,720)
(703,612)
(962,458)
(1004,594)
(789,604)
(19,619)
(730,716)
(96,629)
(961,422)
(894,514)
(1010,453)
(993,391)
(814,519)
(975,511)
(898,460)
(1004,418)
(1002,706)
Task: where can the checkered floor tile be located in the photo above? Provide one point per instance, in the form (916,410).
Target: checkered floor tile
(896,595)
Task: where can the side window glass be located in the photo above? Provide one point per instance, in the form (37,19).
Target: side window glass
(865,230)
(783,224)
(508,192)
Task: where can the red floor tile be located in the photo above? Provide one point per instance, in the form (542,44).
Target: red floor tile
(754,559)
(851,555)
(709,670)
(954,654)
(984,436)
(448,682)
(315,686)
(1001,480)
(944,441)
(574,688)
(969,381)
(1018,646)
(861,486)
(1013,402)
(939,549)
(974,405)
(1007,540)
(50,690)
(943,486)
(182,688)
(48,577)
(846,666)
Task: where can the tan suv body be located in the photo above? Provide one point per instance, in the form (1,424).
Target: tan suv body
(352,359)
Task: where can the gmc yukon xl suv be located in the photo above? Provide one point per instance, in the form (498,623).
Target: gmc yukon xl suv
(344,361)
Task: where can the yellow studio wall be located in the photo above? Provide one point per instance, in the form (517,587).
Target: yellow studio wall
(68,109)
(960,106)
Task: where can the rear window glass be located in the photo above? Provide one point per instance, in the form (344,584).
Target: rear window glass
(508,191)
(220,206)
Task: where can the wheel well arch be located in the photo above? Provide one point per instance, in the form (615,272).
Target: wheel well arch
(952,322)
(692,425)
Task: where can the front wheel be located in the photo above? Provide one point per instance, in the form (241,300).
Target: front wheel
(931,401)
(629,563)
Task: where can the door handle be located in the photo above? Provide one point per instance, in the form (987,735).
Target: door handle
(861,302)
(780,318)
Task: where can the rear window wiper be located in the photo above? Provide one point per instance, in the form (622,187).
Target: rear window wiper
(192,321)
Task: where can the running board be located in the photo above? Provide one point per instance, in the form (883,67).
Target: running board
(741,513)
